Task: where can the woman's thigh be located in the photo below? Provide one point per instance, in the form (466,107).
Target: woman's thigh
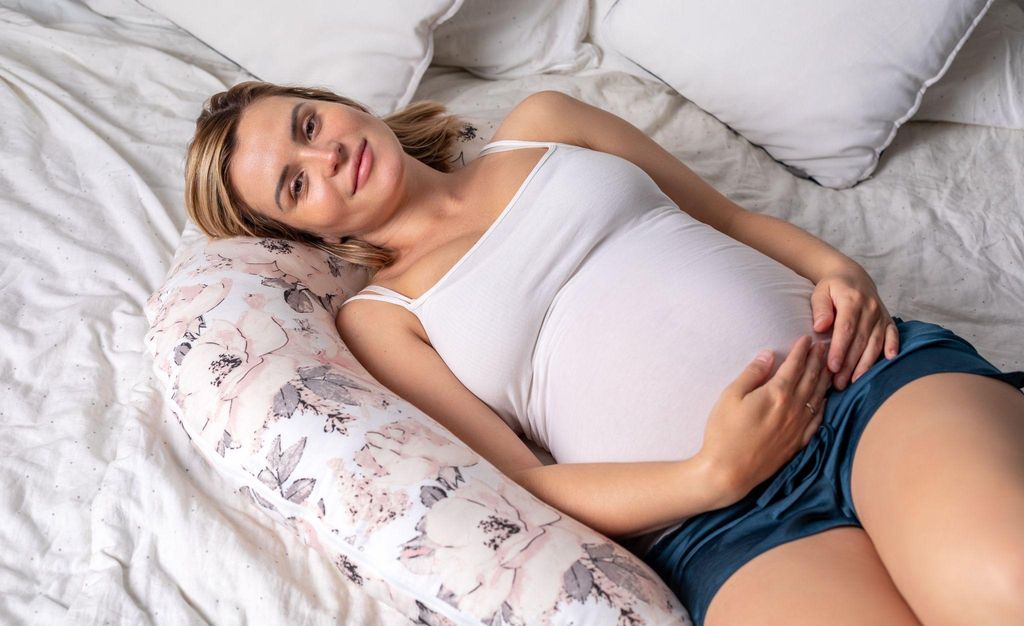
(938,484)
(832,577)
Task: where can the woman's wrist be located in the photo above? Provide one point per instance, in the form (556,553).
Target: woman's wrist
(724,487)
(843,265)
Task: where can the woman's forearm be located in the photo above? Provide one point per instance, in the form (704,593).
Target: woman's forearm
(627,499)
(788,244)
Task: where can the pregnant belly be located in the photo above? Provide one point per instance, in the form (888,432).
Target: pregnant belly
(634,355)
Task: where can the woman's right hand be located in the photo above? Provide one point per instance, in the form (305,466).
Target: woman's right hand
(762,421)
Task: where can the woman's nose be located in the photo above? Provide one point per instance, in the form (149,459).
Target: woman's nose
(326,157)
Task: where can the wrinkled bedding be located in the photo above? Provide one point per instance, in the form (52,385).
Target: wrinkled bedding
(109,517)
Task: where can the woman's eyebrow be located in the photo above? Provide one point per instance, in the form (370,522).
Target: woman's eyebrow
(284,172)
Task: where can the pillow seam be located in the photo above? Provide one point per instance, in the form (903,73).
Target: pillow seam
(867,171)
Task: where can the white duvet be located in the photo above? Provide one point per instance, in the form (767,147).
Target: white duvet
(109,517)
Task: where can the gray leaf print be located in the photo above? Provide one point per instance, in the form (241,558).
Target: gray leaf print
(280,283)
(224,443)
(261,500)
(321,508)
(273,457)
(285,402)
(325,300)
(180,351)
(267,478)
(298,299)
(300,490)
(599,550)
(506,613)
(330,385)
(578,581)
(430,495)
(290,458)
(623,573)
(447,595)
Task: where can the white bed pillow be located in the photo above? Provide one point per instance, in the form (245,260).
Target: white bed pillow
(822,86)
(985,84)
(374,52)
(497,39)
(242,335)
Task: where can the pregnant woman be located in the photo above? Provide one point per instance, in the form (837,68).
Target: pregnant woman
(578,285)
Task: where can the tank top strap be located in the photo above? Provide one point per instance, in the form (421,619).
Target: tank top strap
(382,294)
(502,145)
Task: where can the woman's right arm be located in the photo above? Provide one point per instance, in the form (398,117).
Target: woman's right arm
(628,499)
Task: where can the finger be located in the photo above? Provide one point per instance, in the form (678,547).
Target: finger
(871,352)
(814,425)
(791,369)
(842,334)
(824,382)
(754,374)
(812,372)
(892,340)
(856,350)
(821,308)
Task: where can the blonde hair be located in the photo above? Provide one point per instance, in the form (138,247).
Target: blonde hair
(424,128)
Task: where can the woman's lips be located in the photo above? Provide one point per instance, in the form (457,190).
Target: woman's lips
(362,167)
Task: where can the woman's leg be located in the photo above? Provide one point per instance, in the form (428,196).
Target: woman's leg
(938,484)
(833,577)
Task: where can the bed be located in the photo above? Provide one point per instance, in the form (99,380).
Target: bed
(111,517)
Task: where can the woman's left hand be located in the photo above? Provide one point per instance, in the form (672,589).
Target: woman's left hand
(862,323)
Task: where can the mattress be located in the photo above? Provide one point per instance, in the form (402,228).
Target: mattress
(108,515)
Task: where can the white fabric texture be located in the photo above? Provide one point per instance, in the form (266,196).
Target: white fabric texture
(374,52)
(496,39)
(822,87)
(985,84)
(110,516)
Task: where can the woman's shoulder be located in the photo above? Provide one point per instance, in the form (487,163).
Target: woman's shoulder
(539,116)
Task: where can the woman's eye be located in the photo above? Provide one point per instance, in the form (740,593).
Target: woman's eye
(309,127)
(297,187)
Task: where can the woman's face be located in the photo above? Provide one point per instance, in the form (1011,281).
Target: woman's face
(295,161)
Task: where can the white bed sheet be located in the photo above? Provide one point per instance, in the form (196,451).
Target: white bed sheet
(108,515)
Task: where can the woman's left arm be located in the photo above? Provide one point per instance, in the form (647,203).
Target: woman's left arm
(862,323)
(863,326)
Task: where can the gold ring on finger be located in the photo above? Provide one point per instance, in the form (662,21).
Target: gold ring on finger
(810,408)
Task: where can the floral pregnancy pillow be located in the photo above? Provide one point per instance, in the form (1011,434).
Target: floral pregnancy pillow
(242,333)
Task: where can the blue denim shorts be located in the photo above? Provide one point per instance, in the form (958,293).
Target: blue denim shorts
(811,492)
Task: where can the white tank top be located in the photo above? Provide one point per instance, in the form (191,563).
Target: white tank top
(600,320)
